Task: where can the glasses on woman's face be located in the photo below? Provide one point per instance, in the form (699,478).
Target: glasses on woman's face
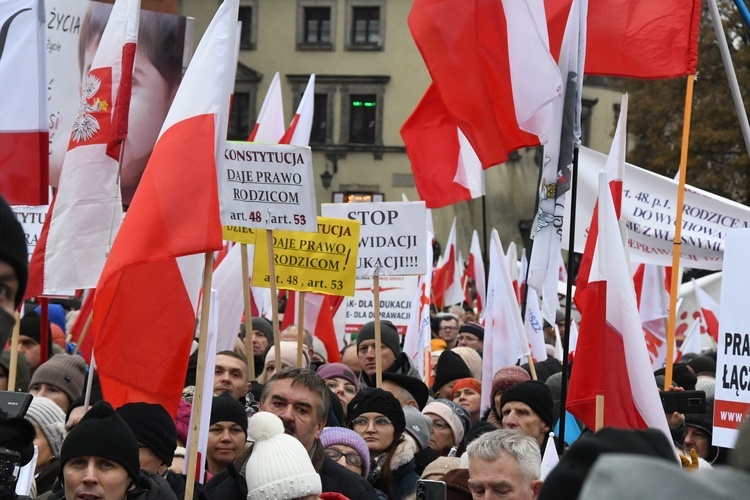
(352,458)
(335,385)
(362,423)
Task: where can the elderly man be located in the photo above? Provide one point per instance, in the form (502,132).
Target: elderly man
(392,359)
(528,407)
(301,400)
(504,464)
(99,459)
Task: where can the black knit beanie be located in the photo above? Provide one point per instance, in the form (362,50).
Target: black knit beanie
(102,433)
(450,366)
(13,249)
(473,328)
(535,394)
(388,335)
(224,408)
(152,427)
(377,401)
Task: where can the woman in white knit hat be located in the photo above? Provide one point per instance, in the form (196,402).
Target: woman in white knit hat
(279,467)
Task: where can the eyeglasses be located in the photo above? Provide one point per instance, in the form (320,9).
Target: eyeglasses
(448,328)
(352,459)
(334,386)
(440,425)
(363,423)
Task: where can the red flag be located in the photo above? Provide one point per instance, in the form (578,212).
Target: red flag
(446,280)
(318,320)
(144,310)
(433,144)
(24,136)
(611,356)
(298,133)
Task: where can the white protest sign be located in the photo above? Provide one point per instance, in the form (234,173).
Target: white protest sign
(392,236)
(732,399)
(396,294)
(648,210)
(32,220)
(266,186)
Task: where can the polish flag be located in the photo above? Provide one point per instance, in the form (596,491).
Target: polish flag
(534,326)
(318,320)
(709,311)
(269,127)
(611,356)
(418,332)
(511,260)
(652,296)
(148,292)
(439,151)
(298,133)
(24,135)
(505,338)
(475,271)
(446,289)
(87,210)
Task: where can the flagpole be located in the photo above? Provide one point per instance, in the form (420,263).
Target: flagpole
(532,369)
(274,300)
(84,331)
(248,313)
(89,383)
(13,366)
(484,232)
(44,333)
(568,296)
(199,375)
(300,326)
(675,285)
(378,348)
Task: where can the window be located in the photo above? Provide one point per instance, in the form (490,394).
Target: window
(365,24)
(239,119)
(319,132)
(316,24)
(362,118)
(248,17)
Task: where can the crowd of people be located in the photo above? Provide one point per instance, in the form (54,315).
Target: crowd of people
(326,430)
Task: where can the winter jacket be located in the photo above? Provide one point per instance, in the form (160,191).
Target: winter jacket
(402,366)
(150,487)
(403,469)
(177,483)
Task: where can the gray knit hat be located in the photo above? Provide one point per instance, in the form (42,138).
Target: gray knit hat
(388,335)
(64,371)
(46,415)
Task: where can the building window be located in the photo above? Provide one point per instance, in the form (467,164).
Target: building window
(316,24)
(319,133)
(365,24)
(248,16)
(362,118)
(239,119)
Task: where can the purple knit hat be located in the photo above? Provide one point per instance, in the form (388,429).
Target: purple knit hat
(347,437)
(182,420)
(338,370)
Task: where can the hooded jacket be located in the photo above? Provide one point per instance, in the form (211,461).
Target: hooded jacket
(402,366)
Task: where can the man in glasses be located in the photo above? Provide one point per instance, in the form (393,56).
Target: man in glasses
(448,329)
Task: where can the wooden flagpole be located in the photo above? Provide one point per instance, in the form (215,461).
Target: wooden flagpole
(378,347)
(676,247)
(248,313)
(274,300)
(199,375)
(13,366)
(532,369)
(84,331)
(300,326)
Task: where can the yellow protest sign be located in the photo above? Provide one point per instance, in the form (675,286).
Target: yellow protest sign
(322,262)
(240,234)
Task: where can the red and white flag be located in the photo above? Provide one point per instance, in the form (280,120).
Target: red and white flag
(692,342)
(475,271)
(709,311)
(611,357)
(511,260)
(505,338)
(146,299)
(446,169)
(652,295)
(87,210)
(446,281)
(564,133)
(298,133)
(269,128)
(24,135)
(534,325)
(318,320)
(418,332)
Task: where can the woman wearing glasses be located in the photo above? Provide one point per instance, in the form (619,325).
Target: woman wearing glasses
(376,415)
(341,380)
(346,447)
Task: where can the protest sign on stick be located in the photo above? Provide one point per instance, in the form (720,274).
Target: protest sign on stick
(732,396)
(248,313)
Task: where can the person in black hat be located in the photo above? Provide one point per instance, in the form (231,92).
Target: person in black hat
(528,407)
(377,416)
(262,338)
(409,391)
(471,335)
(448,370)
(227,432)
(99,459)
(14,269)
(392,360)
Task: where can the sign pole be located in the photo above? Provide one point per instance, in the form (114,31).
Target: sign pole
(248,313)
(199,375)
(13,366)
(378,348)
(300,326)
(274,300)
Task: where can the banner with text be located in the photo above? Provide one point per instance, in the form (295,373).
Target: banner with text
(266,186)
(732,399)
(32,220)
(648,210)
(396,294)
(392,239)
(322,262)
